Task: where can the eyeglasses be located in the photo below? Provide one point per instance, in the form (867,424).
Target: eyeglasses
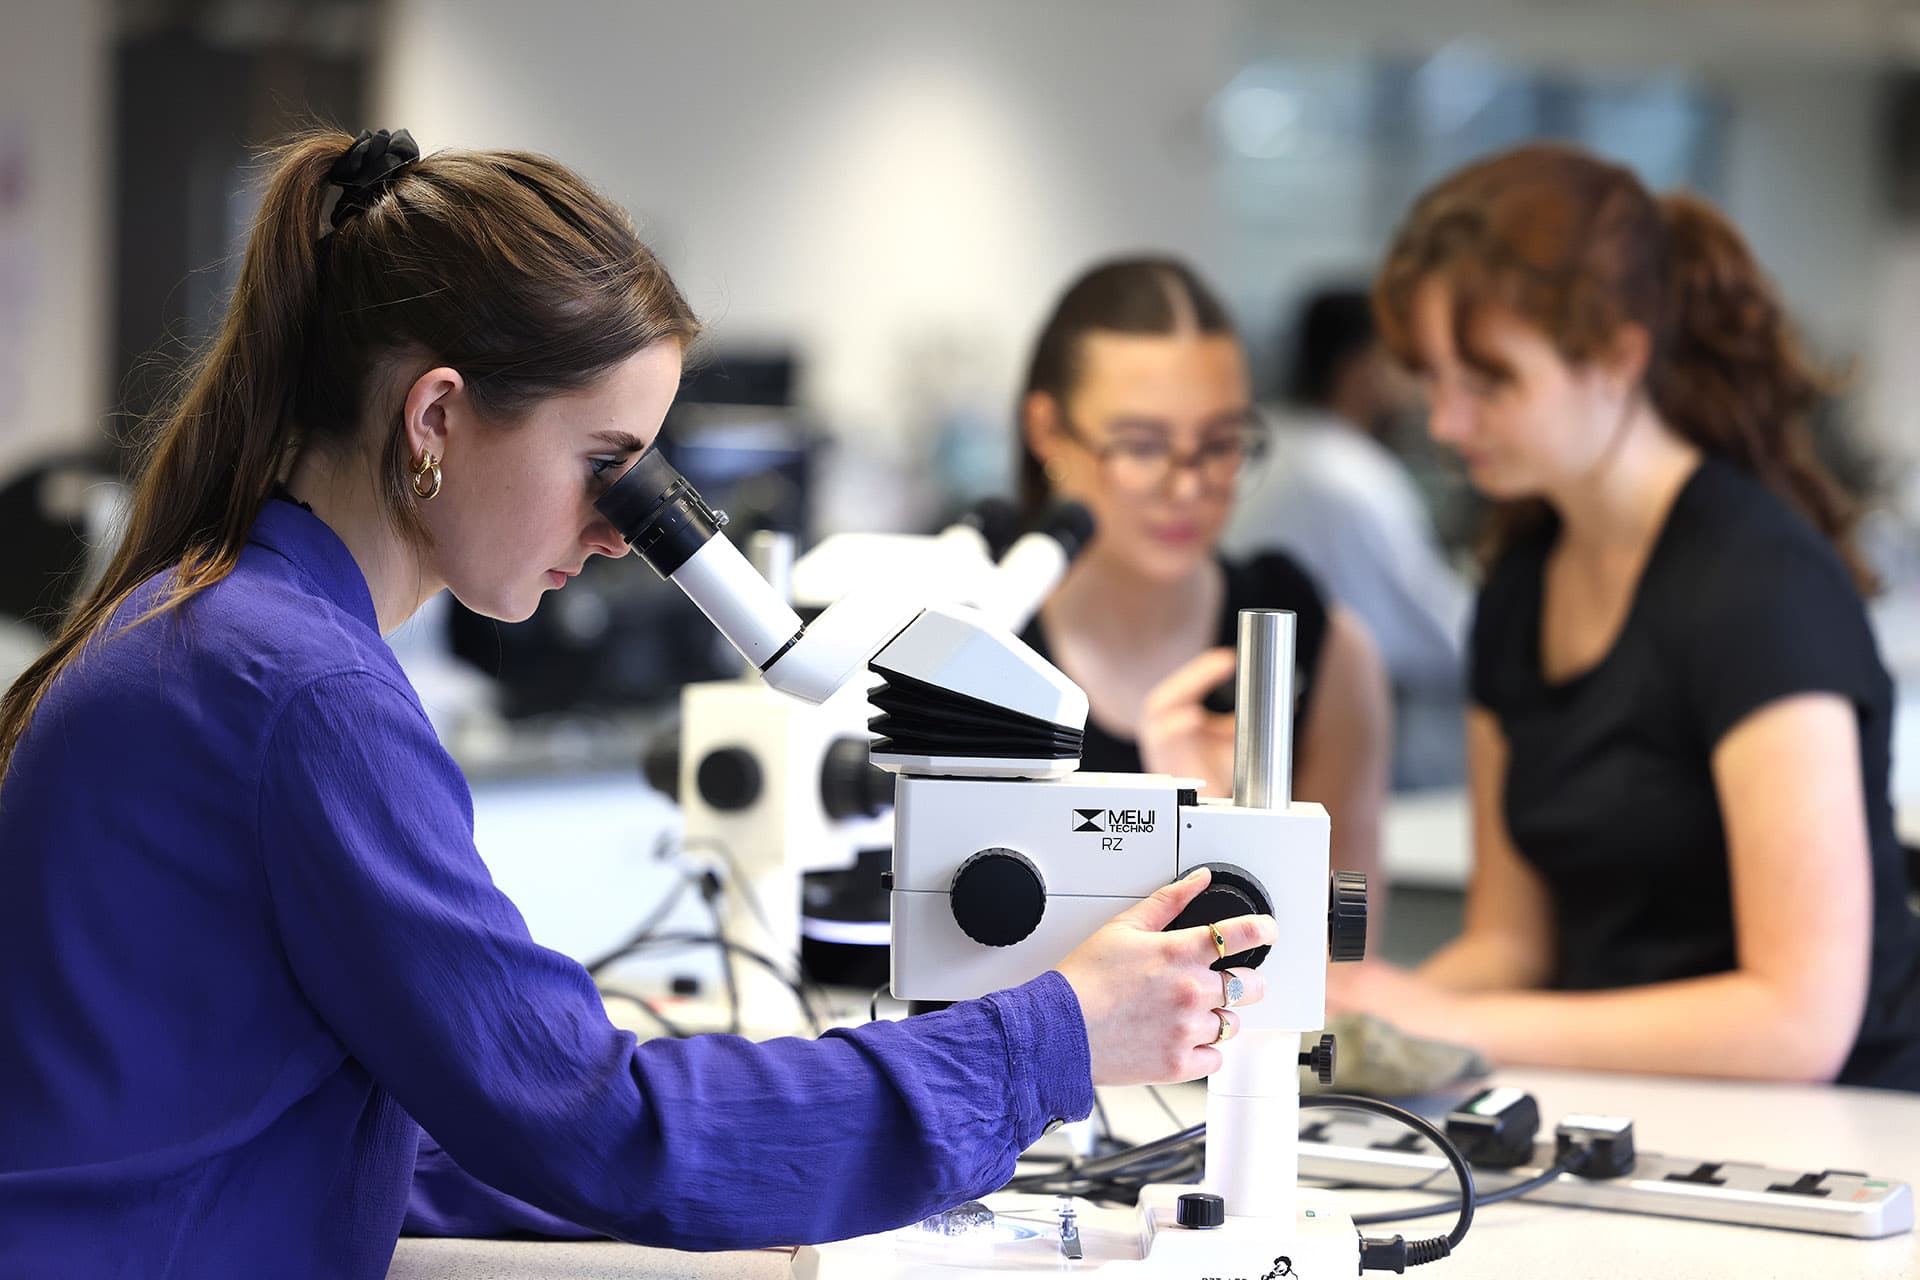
(1144,463)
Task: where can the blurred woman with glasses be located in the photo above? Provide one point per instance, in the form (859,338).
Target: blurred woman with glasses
(1138,404)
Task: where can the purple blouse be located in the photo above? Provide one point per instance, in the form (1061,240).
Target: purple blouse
(248,953)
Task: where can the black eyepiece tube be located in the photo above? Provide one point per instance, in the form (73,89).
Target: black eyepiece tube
(660,515)
(664,519)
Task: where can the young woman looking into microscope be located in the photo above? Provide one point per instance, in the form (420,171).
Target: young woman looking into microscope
(250,958)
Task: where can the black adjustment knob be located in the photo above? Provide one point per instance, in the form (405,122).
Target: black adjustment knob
(850,787)
(1232,892)
(1347,917)
(997,897)
(1320,1059)
(1201,1210)
(728,779)
(660,763)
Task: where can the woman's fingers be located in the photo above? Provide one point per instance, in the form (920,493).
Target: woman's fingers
(1241,986)
(1158,909)
(1241,933)
(1219,1026)
(1192,682)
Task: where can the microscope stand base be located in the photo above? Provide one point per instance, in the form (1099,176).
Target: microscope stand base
(1141,1242)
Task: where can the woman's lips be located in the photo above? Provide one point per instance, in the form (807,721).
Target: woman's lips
(1175,535)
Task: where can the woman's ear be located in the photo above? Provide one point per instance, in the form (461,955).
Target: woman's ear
(434,410)
(1040,424)
(1625,357)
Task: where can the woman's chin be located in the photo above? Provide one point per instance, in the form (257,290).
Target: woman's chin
(1167,563)
(503,608)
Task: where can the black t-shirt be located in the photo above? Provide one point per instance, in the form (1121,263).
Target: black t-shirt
(1270,581)
(1609,786)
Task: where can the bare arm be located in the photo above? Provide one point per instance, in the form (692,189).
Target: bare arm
(1345,748)
(1788,780)
(1507,941)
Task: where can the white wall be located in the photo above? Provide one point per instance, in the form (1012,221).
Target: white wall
(55,103)
(879,181)
(904,187)
(1802,181)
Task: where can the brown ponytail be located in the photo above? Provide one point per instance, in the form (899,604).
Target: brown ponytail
(1734,380)
(1579,247)
(504,265)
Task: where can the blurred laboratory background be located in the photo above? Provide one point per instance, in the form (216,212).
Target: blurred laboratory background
(872,204)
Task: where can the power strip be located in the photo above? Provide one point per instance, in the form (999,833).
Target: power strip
(1370,1152)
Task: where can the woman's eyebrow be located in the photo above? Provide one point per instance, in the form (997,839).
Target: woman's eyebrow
(1159,425)
(624,441)
(1231,418)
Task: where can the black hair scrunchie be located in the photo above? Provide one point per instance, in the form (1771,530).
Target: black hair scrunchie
(367,167)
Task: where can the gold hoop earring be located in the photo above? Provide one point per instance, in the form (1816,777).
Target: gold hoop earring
(427,469)
(1055,470)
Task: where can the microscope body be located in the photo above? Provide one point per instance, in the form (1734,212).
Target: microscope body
(1091,845)
(780,786)
(1006,859)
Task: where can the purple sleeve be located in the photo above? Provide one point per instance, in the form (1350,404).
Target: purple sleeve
(503,1053)
(446,1200)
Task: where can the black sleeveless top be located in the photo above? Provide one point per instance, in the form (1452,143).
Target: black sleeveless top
(1609,789)
(1269,581)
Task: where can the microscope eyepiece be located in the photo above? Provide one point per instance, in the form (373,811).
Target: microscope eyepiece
(661,516)
(1068,523)
(665,519)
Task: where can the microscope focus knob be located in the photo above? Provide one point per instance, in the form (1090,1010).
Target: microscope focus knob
(997,897)
(660,763)
(728,779)
(1320,1058)
(1233,891)
(850,787)
(1347,917)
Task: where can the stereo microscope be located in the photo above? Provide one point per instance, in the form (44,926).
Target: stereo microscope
(1006,857)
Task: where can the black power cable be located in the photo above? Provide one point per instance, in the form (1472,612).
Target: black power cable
(660,940)
(708,883)
(1398,1253)
(1481,1200)
(1119,1178)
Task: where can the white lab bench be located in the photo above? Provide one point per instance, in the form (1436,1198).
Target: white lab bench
(1811,1127)
(552,867)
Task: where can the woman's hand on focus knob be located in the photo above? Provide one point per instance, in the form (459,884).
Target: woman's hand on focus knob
(1149,999)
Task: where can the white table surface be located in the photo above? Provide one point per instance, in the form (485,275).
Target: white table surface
(1789,1125)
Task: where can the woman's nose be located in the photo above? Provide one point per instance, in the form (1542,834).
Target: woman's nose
(1450,418)
(602,538)
(1184,481)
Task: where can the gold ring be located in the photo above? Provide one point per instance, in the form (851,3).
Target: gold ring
(1232,989)
(1219,940)
(1226,1027)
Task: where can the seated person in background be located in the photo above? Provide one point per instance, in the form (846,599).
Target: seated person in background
(1685,859)
(1336,499)
(1137,404)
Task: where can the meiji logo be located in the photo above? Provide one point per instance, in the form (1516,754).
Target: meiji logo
(1116,821)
